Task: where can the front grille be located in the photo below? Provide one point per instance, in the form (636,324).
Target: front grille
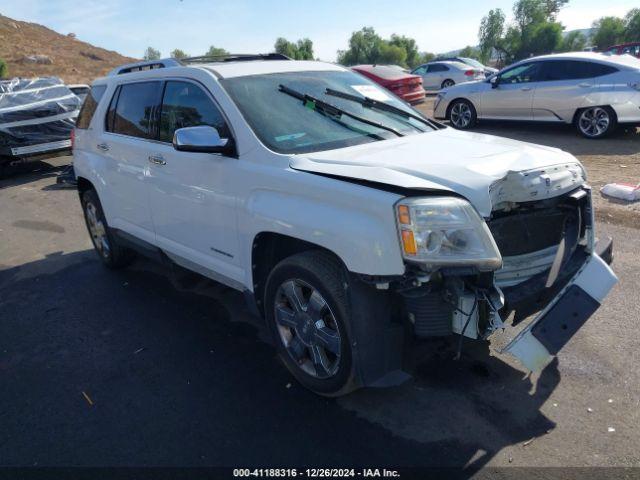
(528,230)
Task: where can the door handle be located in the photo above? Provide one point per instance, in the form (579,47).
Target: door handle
(525,89)
(103,146)
(584,85)
(157,159)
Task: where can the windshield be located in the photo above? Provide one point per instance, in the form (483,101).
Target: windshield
(472,62)
(286,124)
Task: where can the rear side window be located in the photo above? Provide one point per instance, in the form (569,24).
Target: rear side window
(573,70)
(135,107)
(89,106)
(438,68)
(185,104)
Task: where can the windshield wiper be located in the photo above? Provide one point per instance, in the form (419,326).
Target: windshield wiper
(385,107)
(331,110)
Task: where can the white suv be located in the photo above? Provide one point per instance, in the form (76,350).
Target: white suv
(353,223)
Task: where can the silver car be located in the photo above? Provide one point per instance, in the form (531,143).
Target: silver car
(593,91)
(437,75)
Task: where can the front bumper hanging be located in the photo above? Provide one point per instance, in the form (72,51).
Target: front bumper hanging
(554,326)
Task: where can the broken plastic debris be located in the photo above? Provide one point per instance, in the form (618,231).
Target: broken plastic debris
(611,429)
(288,385)
(610,400)
(138,351)
(555,404)
(589,409)
(86,397)
(623,191)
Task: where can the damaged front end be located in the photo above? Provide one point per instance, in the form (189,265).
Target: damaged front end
(550,263)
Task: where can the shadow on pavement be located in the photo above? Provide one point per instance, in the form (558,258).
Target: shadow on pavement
(25,173)
(178,378)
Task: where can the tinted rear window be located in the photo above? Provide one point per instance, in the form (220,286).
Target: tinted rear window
(135,109)
(573,70)
(89,106)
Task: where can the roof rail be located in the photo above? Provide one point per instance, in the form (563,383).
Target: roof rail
(145,65)
(234,57)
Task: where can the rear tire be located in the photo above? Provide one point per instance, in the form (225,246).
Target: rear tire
(462,114)
(595,122)
(447,83)
(102,236)
(307,310)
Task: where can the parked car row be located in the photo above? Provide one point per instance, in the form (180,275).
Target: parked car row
(593,91)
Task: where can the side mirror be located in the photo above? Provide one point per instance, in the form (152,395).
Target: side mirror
(203,139)
(494,81)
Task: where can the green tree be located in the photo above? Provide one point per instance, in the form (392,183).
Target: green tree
(301,50)
(216,52)
(410,47)
(391,55)
(304,49)
(573,42)
(609,31)
(364,47)
(426,57)
(4,70)
(491,33)
(632,25)
(179,54)
(151,54)
(534,30)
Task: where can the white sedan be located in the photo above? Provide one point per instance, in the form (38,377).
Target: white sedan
(444,74)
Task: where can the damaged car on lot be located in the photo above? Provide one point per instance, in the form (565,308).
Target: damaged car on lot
(37,116)
(352,223)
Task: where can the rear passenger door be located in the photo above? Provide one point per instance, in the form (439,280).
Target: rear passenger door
(435,76)
(564,87)
(192,197)
(130,132)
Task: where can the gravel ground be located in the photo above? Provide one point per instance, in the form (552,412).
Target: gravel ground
(188,377)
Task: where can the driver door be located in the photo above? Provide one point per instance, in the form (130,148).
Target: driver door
(191,195)
(512,97)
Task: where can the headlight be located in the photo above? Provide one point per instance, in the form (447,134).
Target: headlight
(445,231)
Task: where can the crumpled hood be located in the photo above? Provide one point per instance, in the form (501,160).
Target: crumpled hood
(484,169)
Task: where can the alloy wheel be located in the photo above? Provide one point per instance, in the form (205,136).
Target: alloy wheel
(461,115)
(448,83)
(594,122)
(97,230)
(308,328)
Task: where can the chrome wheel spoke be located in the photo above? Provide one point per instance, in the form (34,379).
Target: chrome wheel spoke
(320,362)
(285,317)
(329,339)
(296,349)
(316,305)
(293,292)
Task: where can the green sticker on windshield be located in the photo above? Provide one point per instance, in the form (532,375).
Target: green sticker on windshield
(310,104)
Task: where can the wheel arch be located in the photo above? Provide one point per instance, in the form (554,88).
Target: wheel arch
(579,110)
(268,249)
(452,102)
(84,185)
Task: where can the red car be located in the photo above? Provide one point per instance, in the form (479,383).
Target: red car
(406,86)
(630,48)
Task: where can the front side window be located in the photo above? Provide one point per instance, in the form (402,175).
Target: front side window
(89,106)
(521,74)
(288,125)
(135,109)
(420,70)
(186,105)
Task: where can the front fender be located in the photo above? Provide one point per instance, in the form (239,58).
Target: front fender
(360,231)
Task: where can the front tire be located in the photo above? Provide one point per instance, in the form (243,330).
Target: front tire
(596,122)
(104,242)
(462,114)
(307,311)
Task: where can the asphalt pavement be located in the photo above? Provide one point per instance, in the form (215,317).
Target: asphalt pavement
(129,368)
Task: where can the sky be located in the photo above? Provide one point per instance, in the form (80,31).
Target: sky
(252,26)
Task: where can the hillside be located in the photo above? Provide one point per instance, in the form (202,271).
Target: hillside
(55,54)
